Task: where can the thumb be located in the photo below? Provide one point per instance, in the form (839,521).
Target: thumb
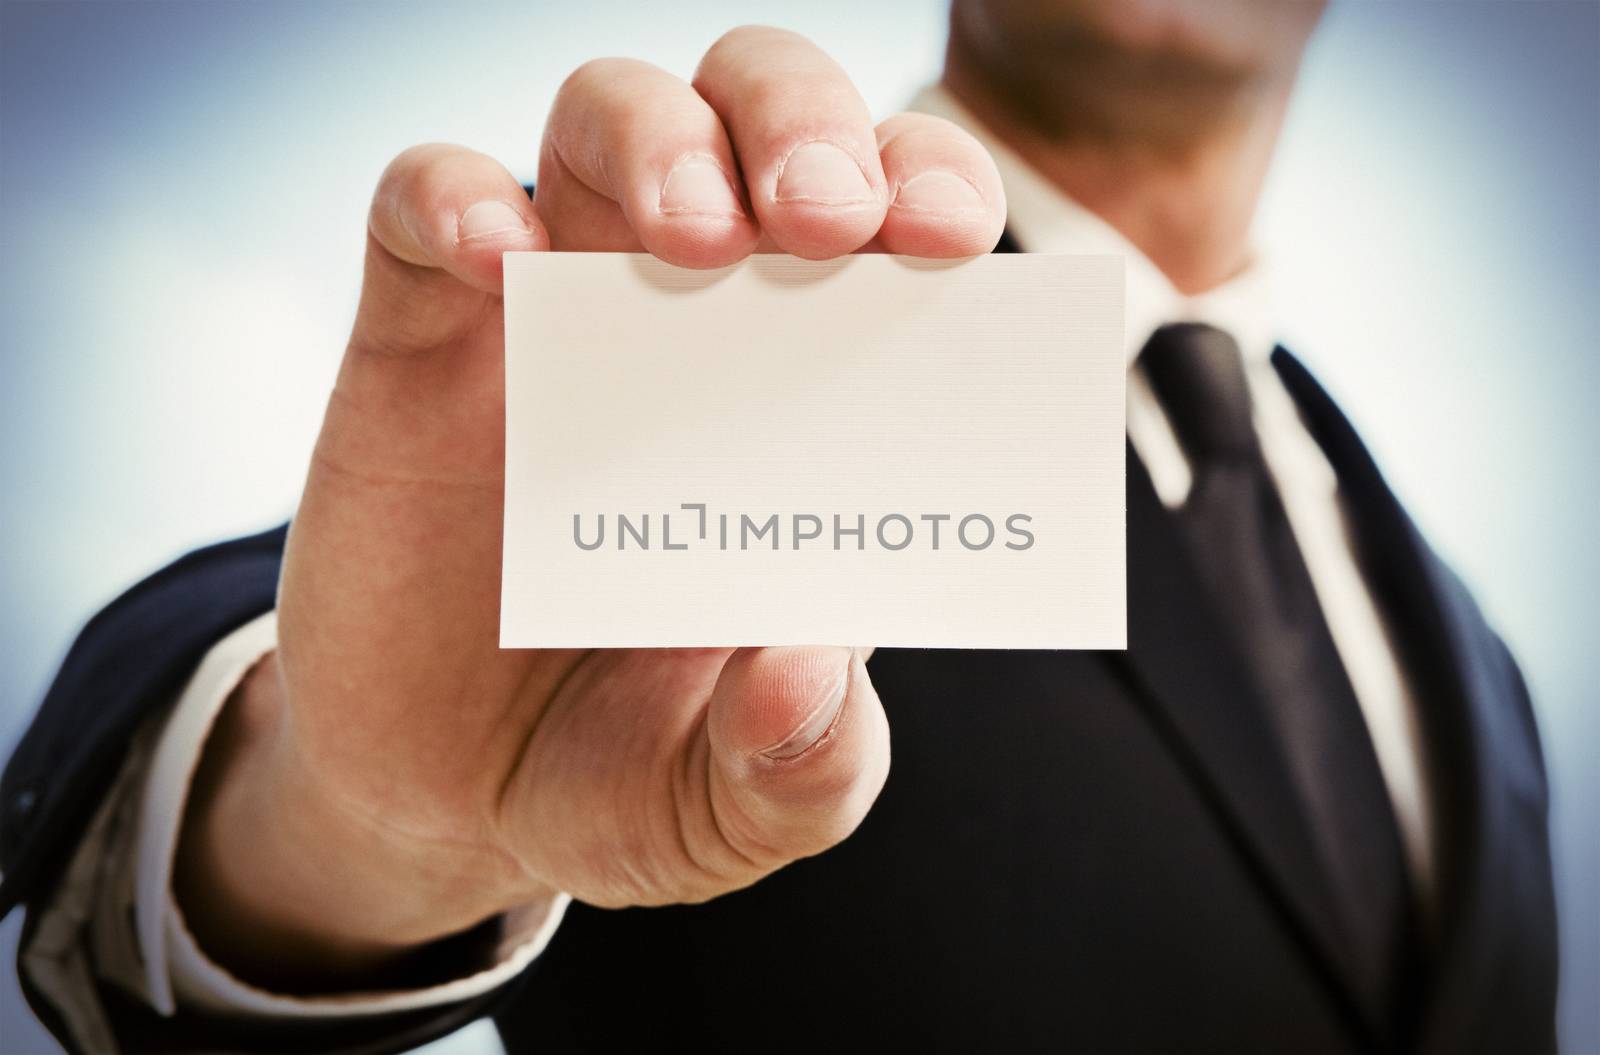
(441,217)
(799,750)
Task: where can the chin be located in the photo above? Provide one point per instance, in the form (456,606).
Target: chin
(1236,36)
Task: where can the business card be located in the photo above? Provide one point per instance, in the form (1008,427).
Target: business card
(875,450)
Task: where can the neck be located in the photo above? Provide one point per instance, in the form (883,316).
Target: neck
(1172,158)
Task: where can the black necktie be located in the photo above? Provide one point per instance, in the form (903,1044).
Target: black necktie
(1246,553)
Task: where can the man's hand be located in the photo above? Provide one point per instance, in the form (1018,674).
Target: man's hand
(390,776)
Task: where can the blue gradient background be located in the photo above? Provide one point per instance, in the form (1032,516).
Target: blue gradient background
(182,194)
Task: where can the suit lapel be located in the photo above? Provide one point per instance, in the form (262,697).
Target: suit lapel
(1462,683)
(1463,726)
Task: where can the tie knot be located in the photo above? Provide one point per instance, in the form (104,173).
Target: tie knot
(1197,373)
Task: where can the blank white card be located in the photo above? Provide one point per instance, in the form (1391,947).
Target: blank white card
(875,450)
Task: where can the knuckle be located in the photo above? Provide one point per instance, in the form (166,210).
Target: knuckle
(408,167)
(418,173)
(756,847)
(586,74)
(751,34)
(756,46)
(785,98)
(629,128)
(593,78)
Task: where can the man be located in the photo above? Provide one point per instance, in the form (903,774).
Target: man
(289,795)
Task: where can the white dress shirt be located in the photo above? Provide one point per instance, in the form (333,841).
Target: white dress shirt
(127,860)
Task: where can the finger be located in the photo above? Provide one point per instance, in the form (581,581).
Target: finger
(634,158)
(447,207)
(804,140)
(440,219)
(799,750)
(946,199)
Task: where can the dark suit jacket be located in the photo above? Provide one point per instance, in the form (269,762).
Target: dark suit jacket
(1074,851)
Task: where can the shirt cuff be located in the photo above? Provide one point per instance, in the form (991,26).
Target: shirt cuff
(176,970)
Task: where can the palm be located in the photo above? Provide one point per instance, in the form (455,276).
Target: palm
(497,738)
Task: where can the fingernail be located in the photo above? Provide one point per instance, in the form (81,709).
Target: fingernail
(822,174)
(938,191)
(486,219)
(818,722)
(698,186)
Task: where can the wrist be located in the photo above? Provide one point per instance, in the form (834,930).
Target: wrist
(287,886)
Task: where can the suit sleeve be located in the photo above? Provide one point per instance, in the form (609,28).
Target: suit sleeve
(76,774)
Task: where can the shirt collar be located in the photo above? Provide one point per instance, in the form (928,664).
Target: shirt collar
(1043,219)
